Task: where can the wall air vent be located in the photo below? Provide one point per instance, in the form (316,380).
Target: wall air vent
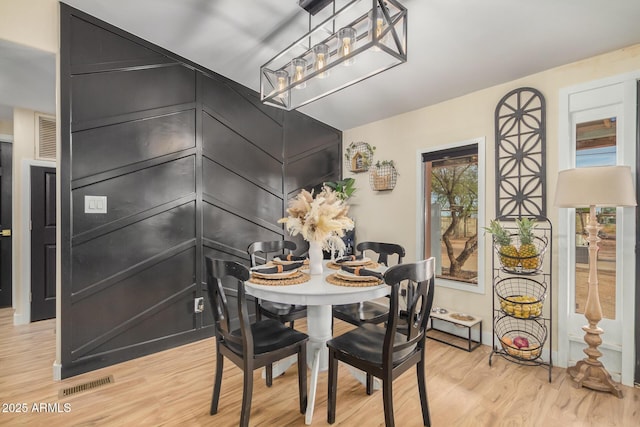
(45,137)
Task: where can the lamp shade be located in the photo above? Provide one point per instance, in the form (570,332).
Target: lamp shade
(595,186)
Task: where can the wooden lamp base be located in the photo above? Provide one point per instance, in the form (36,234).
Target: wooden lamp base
(590,372)
(593,376)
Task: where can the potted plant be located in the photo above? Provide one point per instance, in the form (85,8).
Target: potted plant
(359,155)
(343,188)
(383,175)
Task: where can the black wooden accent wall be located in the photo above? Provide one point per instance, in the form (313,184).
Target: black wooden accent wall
(191,164)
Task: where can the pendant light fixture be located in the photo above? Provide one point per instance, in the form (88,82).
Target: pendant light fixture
(360,39)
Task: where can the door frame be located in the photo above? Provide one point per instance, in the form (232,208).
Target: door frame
(627,102)
(22,315)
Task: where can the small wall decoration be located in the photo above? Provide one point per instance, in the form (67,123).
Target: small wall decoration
(383,175)
(520,154)
(359,156)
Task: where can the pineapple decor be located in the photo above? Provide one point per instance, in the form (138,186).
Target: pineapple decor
(528,251)
(509,256)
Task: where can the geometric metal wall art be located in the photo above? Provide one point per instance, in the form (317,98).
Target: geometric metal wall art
(520,154)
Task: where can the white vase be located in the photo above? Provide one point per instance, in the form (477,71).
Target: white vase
(315,258)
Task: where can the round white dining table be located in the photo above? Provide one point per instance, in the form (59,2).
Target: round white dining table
(319,296)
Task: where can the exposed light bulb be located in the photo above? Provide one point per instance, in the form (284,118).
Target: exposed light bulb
(347,43)
(299,69)
(321,59)
(377,28)
(282,77)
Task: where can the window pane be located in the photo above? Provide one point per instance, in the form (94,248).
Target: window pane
(452,188)
(596,146)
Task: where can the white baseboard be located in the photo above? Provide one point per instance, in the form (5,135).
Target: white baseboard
(57,371)
(20,319)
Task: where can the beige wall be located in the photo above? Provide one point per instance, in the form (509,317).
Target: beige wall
(6,127)
(391,216)
(32,23)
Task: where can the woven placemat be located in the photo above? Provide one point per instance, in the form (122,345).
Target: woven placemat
(296,280)
(371,264)
(335,280)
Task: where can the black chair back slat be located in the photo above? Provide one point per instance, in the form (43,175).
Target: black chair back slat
(269,250)
(384,250)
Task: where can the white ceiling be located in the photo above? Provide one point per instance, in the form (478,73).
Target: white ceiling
(454,46)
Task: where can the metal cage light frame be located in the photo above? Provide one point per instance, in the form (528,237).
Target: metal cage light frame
(359,40)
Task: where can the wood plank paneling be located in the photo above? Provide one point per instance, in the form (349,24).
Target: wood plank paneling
(231,230)
(313,169)
(145,291)
(109,147)
(225,104)
(161,184)
(303,134)
(191,164)
(96,46)
(242,195)
(114,252)
(102,95)
(226,147)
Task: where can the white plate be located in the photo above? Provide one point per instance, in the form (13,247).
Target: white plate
(275,276)
(356,262)
(352,277)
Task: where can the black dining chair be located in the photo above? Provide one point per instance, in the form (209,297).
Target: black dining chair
(252,346)
(384,352)
(370,311)
(260,253)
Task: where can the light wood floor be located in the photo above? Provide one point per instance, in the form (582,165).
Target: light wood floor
(174,388)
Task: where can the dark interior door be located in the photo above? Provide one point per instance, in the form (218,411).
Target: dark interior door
(6,150)
(43,243)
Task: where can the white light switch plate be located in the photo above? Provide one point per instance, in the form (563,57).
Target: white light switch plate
(95,204)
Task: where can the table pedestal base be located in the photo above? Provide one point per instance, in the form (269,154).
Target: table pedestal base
(319,326)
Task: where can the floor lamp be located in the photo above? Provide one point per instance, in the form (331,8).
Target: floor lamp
(590,187)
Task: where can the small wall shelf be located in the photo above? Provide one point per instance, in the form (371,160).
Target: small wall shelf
(359,156)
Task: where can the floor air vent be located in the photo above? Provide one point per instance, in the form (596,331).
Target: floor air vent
(69,391)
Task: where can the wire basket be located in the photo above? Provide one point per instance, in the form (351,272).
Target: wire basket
(360,157)
(521,339)
(521,297)
(515,263)
(383,177)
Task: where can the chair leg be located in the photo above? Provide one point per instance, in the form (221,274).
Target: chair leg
(302,377)
(257,307)
(247,393)
(269,374)
(333,388)
(291,324)
(369,384)
(217,383)
(422,388)
(387,399)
